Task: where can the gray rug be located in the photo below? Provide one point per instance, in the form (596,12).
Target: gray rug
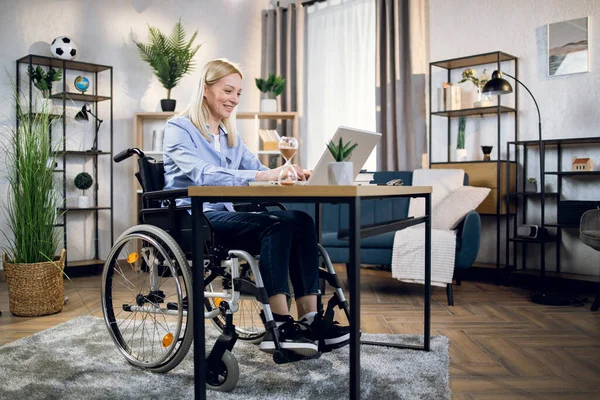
(78,360)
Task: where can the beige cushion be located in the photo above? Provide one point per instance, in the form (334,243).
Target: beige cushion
(448,213)
(442,181)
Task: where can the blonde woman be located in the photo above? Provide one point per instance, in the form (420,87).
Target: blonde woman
(202,147)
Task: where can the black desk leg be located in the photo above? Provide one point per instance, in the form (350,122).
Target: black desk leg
(427,272)
(198,299)
(354,248)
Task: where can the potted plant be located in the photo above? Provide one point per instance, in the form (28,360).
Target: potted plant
(469,74)
(83,181)
(35,282)
(170,57)
(531,185)
(461,152)
(341,172)
(42,80)
(273,87)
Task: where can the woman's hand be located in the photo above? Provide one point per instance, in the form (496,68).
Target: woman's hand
(273,174)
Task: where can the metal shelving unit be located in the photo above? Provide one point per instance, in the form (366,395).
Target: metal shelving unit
(97,71)
(555,237)
(503,167)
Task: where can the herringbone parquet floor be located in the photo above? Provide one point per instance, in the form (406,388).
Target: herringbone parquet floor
(502,346)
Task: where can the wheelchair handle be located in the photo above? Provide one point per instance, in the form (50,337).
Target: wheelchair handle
(125,154)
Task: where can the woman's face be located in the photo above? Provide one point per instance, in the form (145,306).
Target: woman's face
(222,97)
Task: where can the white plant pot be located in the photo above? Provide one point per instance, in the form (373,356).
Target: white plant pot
(268,105)
(83,201)
(461,154)
(340,173)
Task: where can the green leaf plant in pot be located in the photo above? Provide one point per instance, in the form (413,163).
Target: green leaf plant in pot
(341,172)
(42,80)
(273,86)
(531,185)
(83,181)
(34,273)
(461,152)
(170,57)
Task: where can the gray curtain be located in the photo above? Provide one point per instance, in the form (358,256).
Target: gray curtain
(401,83)
(282,52)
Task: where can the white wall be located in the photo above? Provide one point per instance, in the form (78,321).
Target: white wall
(103,31)
(568,104)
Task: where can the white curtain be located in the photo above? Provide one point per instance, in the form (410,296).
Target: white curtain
(340,73)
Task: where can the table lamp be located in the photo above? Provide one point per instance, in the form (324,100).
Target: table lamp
(82,116)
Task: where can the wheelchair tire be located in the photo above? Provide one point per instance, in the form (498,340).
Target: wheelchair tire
(154,304)
(229,376)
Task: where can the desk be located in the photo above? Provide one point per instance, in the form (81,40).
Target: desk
(350,195)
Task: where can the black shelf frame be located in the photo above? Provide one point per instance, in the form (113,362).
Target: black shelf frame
(94,98)
(495,57)
(554,238)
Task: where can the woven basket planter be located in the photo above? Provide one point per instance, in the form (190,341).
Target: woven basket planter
(35,289)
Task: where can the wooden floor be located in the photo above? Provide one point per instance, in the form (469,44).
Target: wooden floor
(502,346)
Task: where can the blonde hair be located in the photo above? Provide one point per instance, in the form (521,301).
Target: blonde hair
(197,110)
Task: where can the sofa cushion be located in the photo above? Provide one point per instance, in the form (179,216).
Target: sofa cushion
(448,213)
(383,241)
(443,182)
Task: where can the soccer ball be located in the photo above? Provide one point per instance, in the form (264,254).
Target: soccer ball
(64,48)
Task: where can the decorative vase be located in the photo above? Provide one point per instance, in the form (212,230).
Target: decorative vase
(340,173)
(83,201)
(461,154)
(531,187)
(168,104)
(268,105)
(482,100)
(487,151)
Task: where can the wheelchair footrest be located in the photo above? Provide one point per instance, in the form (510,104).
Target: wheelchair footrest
(288,356)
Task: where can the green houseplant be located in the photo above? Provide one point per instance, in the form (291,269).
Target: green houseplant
(35,283)
(341,172)
(273,86)
(43,80)
(470,74)
(170,57)
(531,185)
(461,152)
(83,181)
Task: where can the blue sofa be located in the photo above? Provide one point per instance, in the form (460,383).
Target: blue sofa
(378,249)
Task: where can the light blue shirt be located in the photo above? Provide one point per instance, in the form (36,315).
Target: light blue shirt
(191,160)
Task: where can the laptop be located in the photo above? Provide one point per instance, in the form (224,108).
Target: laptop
(366,143)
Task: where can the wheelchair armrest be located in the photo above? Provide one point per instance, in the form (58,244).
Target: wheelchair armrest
(169,194)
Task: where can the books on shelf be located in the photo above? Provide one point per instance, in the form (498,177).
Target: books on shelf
(270,139)
(364,177)
(449,97)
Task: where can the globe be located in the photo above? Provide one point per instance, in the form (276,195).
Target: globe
(82,83)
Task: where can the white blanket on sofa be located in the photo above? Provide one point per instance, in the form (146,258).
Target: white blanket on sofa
(408,255)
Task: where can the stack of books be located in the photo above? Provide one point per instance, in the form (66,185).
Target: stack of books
(364,178)
(269,138)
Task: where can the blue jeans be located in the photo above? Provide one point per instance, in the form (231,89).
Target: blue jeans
(286,241)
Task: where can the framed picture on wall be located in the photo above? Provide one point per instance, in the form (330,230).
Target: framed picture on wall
(568,47)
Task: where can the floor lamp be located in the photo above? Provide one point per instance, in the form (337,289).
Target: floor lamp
(500,86)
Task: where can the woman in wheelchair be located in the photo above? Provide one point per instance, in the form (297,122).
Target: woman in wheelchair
(202,147)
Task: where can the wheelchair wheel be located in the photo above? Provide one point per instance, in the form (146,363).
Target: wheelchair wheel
(147,298)
(248,324)
(225,376)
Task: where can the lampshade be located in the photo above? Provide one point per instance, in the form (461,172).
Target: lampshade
(82,115)
(497,85)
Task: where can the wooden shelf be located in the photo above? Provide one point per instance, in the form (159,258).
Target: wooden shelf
(555,142)
(83,209)
(473,111)
(471,61)
(64,64)
(275,152)
(561,275)
(531,194)
(79,97)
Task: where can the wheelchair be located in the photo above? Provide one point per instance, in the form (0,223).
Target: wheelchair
(147,286)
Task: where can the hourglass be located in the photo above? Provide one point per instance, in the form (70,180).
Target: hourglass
(287,148)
